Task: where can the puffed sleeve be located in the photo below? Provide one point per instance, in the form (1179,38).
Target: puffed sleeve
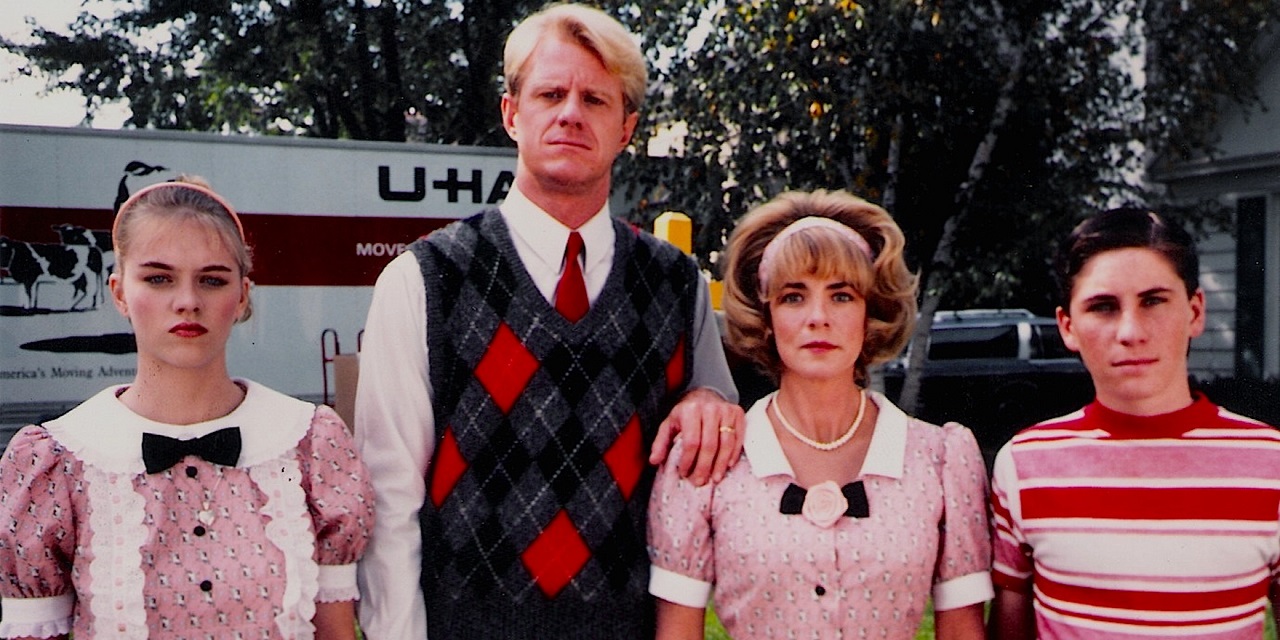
(37,535)
(1013,560)
(680,538)
(963,573)
(340,499)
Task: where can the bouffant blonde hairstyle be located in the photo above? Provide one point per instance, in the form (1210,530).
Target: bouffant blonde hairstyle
(882,278)
(588,27)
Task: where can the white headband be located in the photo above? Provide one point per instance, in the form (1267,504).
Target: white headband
(775,245)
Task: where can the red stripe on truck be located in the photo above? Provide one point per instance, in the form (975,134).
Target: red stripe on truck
(288,250)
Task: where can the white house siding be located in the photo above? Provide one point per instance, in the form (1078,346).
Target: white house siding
(1273,285)
(1244,167)
(1213,354)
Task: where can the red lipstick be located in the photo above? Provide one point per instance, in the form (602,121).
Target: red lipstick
(188,330)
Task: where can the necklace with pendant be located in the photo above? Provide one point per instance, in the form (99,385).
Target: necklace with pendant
(205,514)
(822,446)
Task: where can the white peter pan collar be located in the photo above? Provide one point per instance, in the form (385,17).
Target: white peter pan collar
(885,455)
(105,433)
(107,437)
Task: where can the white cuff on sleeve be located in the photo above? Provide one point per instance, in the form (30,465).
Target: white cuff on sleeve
(680,589)
(37,617)
(338,583)
(963,591)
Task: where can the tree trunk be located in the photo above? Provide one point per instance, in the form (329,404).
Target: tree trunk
(890,199)
(931,295)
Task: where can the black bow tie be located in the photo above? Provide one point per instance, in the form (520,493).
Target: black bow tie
(854,492)
(220,447)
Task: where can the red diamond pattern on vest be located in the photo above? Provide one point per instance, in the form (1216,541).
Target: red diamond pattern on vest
(449,466)
(675,368)
(625,458)
(556,555)
(505,368)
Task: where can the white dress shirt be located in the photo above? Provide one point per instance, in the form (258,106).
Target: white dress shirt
(395,424)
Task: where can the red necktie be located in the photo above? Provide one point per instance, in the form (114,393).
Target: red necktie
(571,291)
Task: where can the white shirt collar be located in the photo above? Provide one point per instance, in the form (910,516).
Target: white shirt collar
(105,433)
(547,236)
(885,455)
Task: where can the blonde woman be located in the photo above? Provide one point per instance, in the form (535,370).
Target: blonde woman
(845,515)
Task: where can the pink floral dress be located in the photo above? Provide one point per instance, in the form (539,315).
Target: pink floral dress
(816,572)
(91,543)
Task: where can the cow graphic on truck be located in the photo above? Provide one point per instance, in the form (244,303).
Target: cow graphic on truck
(323,217)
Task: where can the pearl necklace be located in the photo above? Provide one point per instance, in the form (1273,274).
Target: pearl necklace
(822,446)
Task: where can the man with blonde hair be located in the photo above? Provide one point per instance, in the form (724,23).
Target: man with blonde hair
(518,365)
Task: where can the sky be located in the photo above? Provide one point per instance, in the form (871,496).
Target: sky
(23,99)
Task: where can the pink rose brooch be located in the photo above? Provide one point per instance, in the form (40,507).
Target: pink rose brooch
(825,503)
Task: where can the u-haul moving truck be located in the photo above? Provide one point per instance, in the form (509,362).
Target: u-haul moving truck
(323,217)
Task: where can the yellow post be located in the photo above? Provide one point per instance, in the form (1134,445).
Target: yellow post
(715,289)
(677,228)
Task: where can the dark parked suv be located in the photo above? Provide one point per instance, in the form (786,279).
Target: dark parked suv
(995,371)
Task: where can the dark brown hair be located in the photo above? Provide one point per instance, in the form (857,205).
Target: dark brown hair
(1125,228)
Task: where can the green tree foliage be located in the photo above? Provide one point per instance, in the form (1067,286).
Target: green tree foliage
(988,128)
(1202,55)
(324,68)
(901,101)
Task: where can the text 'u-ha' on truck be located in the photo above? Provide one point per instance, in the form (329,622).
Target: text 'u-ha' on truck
(323,217)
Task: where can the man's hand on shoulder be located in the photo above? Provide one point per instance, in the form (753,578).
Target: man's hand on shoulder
(713,430)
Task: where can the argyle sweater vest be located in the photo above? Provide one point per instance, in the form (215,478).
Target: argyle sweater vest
(534,522)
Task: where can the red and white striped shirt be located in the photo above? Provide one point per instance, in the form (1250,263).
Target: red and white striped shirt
(1139,527)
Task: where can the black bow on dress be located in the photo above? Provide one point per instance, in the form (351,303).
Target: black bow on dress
(220,447)
(854,492)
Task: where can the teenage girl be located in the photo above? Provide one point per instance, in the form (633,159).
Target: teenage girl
(186,504)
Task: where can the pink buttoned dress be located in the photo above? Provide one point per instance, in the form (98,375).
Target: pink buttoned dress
(92,544)
(783,576)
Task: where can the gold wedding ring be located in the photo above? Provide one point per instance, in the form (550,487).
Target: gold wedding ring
(726,428)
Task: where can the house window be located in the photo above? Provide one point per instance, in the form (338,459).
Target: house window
(1251,220)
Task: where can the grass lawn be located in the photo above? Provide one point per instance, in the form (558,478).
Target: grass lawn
(716,632)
